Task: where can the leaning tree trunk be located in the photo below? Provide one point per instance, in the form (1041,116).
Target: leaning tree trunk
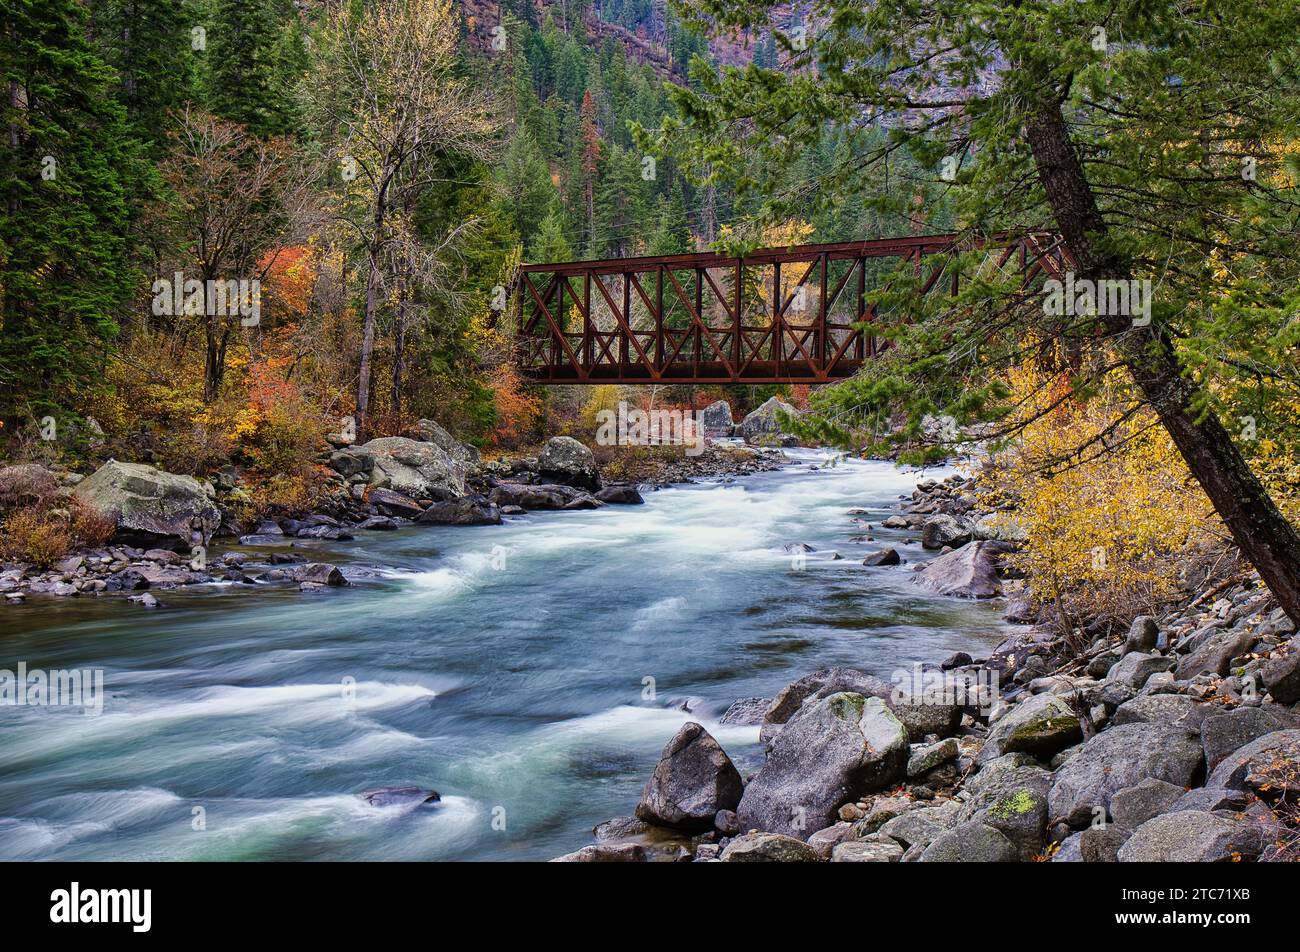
(1264,536)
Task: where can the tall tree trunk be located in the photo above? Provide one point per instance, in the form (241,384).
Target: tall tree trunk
(367,349)
(399,349)
(1262,533)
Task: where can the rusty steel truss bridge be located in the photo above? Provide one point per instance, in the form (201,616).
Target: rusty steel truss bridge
(800,314)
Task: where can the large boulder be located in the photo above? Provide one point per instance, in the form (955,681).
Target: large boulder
(149,506)
(1192,836)
(428,431)
(1133,806)
(968,572)
(832,751)
(1009,794)
(1176,709)
(1044,725)
(1122,757)
(565,460)
(715,420)
(1136,668)
(392,503)
(413,467)
(693,780)
(763,425)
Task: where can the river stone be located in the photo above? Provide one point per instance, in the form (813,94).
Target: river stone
(862,851)
(620,496)
(1122,757)
(970,843)
(1258,763)
(831,752)
(352,461)
(746,711)
(763,425)
(820,683)
(565,460)
(1133,806)
(939,531)
(1176,709)
(768,848)
(150,507)
(466,511)
(1210,799)
(925,759)
(968,572)
(320,573)
(414,468)
(1043,725)
(924,715)
(1232,730)
(1010,795)
(399,796)
(428,431)
(543,496)
(1215,654)
(606,853)
(883,557)
(1143,635)
(918,828)
(392,503)
(1136,668)
(1282,675)
(1191,836)
(693,780)
(1070,850)
(825,841)
(715,420)
(1101,844)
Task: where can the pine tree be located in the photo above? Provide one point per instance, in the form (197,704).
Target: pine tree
(150,44)
(245,72)
(590,161)
(63,271)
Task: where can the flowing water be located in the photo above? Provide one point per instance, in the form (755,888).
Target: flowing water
(506,667)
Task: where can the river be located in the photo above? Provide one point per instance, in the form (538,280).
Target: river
(507,667)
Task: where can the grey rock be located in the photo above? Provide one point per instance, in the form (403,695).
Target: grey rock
(968,572)
(748,710)
(768,848)
(882,557)
(1222,734)
(414,468)
(831,752)
(925,759)
(1122,757)
(763,425)
(1070,850)
(1135,668)
(1189,836)
(824,841)
(1133,806)
(1282,675)
(819,684)
(944,530)
(392,503)
(607,853)
(1101,844)
(1215,654)
(715,420)
(428,431)
(860,851)
(149,506)
(1263,763)
(466,511)
(1043,725)
(565,460)
(1142,635)
(321,573)
(543,496)
(920,827)
(1210,799)
(1175,709)
(693,780)
(620,496)
(970,843)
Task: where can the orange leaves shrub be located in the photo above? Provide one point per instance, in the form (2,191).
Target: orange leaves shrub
(518,411)
(31,535)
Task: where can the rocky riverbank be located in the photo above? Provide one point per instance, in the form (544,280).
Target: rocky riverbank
(1176,740)
(163,525)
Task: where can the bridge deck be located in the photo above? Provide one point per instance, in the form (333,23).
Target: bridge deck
(801,314)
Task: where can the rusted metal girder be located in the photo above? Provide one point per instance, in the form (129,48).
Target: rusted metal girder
(709,318)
